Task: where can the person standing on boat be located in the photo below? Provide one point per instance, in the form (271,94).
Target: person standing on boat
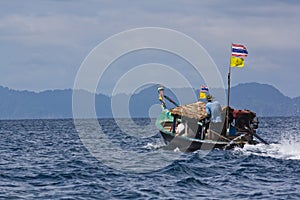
(161,98)
(214,115)
(213,110)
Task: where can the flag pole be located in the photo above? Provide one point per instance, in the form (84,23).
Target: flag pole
(228,93)
(237,53)
(228,86)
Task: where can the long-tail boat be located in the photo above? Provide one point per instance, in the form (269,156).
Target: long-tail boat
(239,128)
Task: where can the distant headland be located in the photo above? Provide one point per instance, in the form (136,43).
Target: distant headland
(263,99)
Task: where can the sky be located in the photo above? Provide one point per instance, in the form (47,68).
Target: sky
(44,42)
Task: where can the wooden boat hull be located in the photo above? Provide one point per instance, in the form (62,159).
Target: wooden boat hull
(189,144)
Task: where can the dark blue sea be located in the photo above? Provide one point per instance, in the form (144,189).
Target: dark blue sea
(62,159)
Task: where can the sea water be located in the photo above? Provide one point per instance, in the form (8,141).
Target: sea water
(47,159)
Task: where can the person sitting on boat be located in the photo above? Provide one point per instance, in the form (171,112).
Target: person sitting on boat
(160,91)
(179,129)
(214,116)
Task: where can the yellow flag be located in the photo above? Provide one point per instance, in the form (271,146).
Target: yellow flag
(236,62)
(202,95)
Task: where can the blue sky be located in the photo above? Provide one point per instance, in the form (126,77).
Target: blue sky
(43,43)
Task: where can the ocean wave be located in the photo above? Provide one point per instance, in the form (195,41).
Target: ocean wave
(287,148)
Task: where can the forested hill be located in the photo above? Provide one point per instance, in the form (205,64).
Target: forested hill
(263,99)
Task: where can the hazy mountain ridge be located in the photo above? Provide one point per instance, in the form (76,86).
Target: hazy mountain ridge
(47,104)
(263,99)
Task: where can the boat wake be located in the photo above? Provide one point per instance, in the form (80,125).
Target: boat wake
(157,145)
(287,148)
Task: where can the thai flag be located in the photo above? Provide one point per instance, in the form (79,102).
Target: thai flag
(239,50)
(204,88)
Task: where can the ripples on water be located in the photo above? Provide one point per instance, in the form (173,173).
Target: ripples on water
(45,159)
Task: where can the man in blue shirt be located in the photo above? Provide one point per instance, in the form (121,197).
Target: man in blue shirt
(213,110)
(214,115)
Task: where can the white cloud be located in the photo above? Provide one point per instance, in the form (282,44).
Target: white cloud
(270,29)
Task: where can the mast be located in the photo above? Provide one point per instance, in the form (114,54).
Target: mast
(228,87)
(228,92)
(238,51)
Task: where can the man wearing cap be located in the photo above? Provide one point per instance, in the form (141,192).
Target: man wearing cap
(213,110)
